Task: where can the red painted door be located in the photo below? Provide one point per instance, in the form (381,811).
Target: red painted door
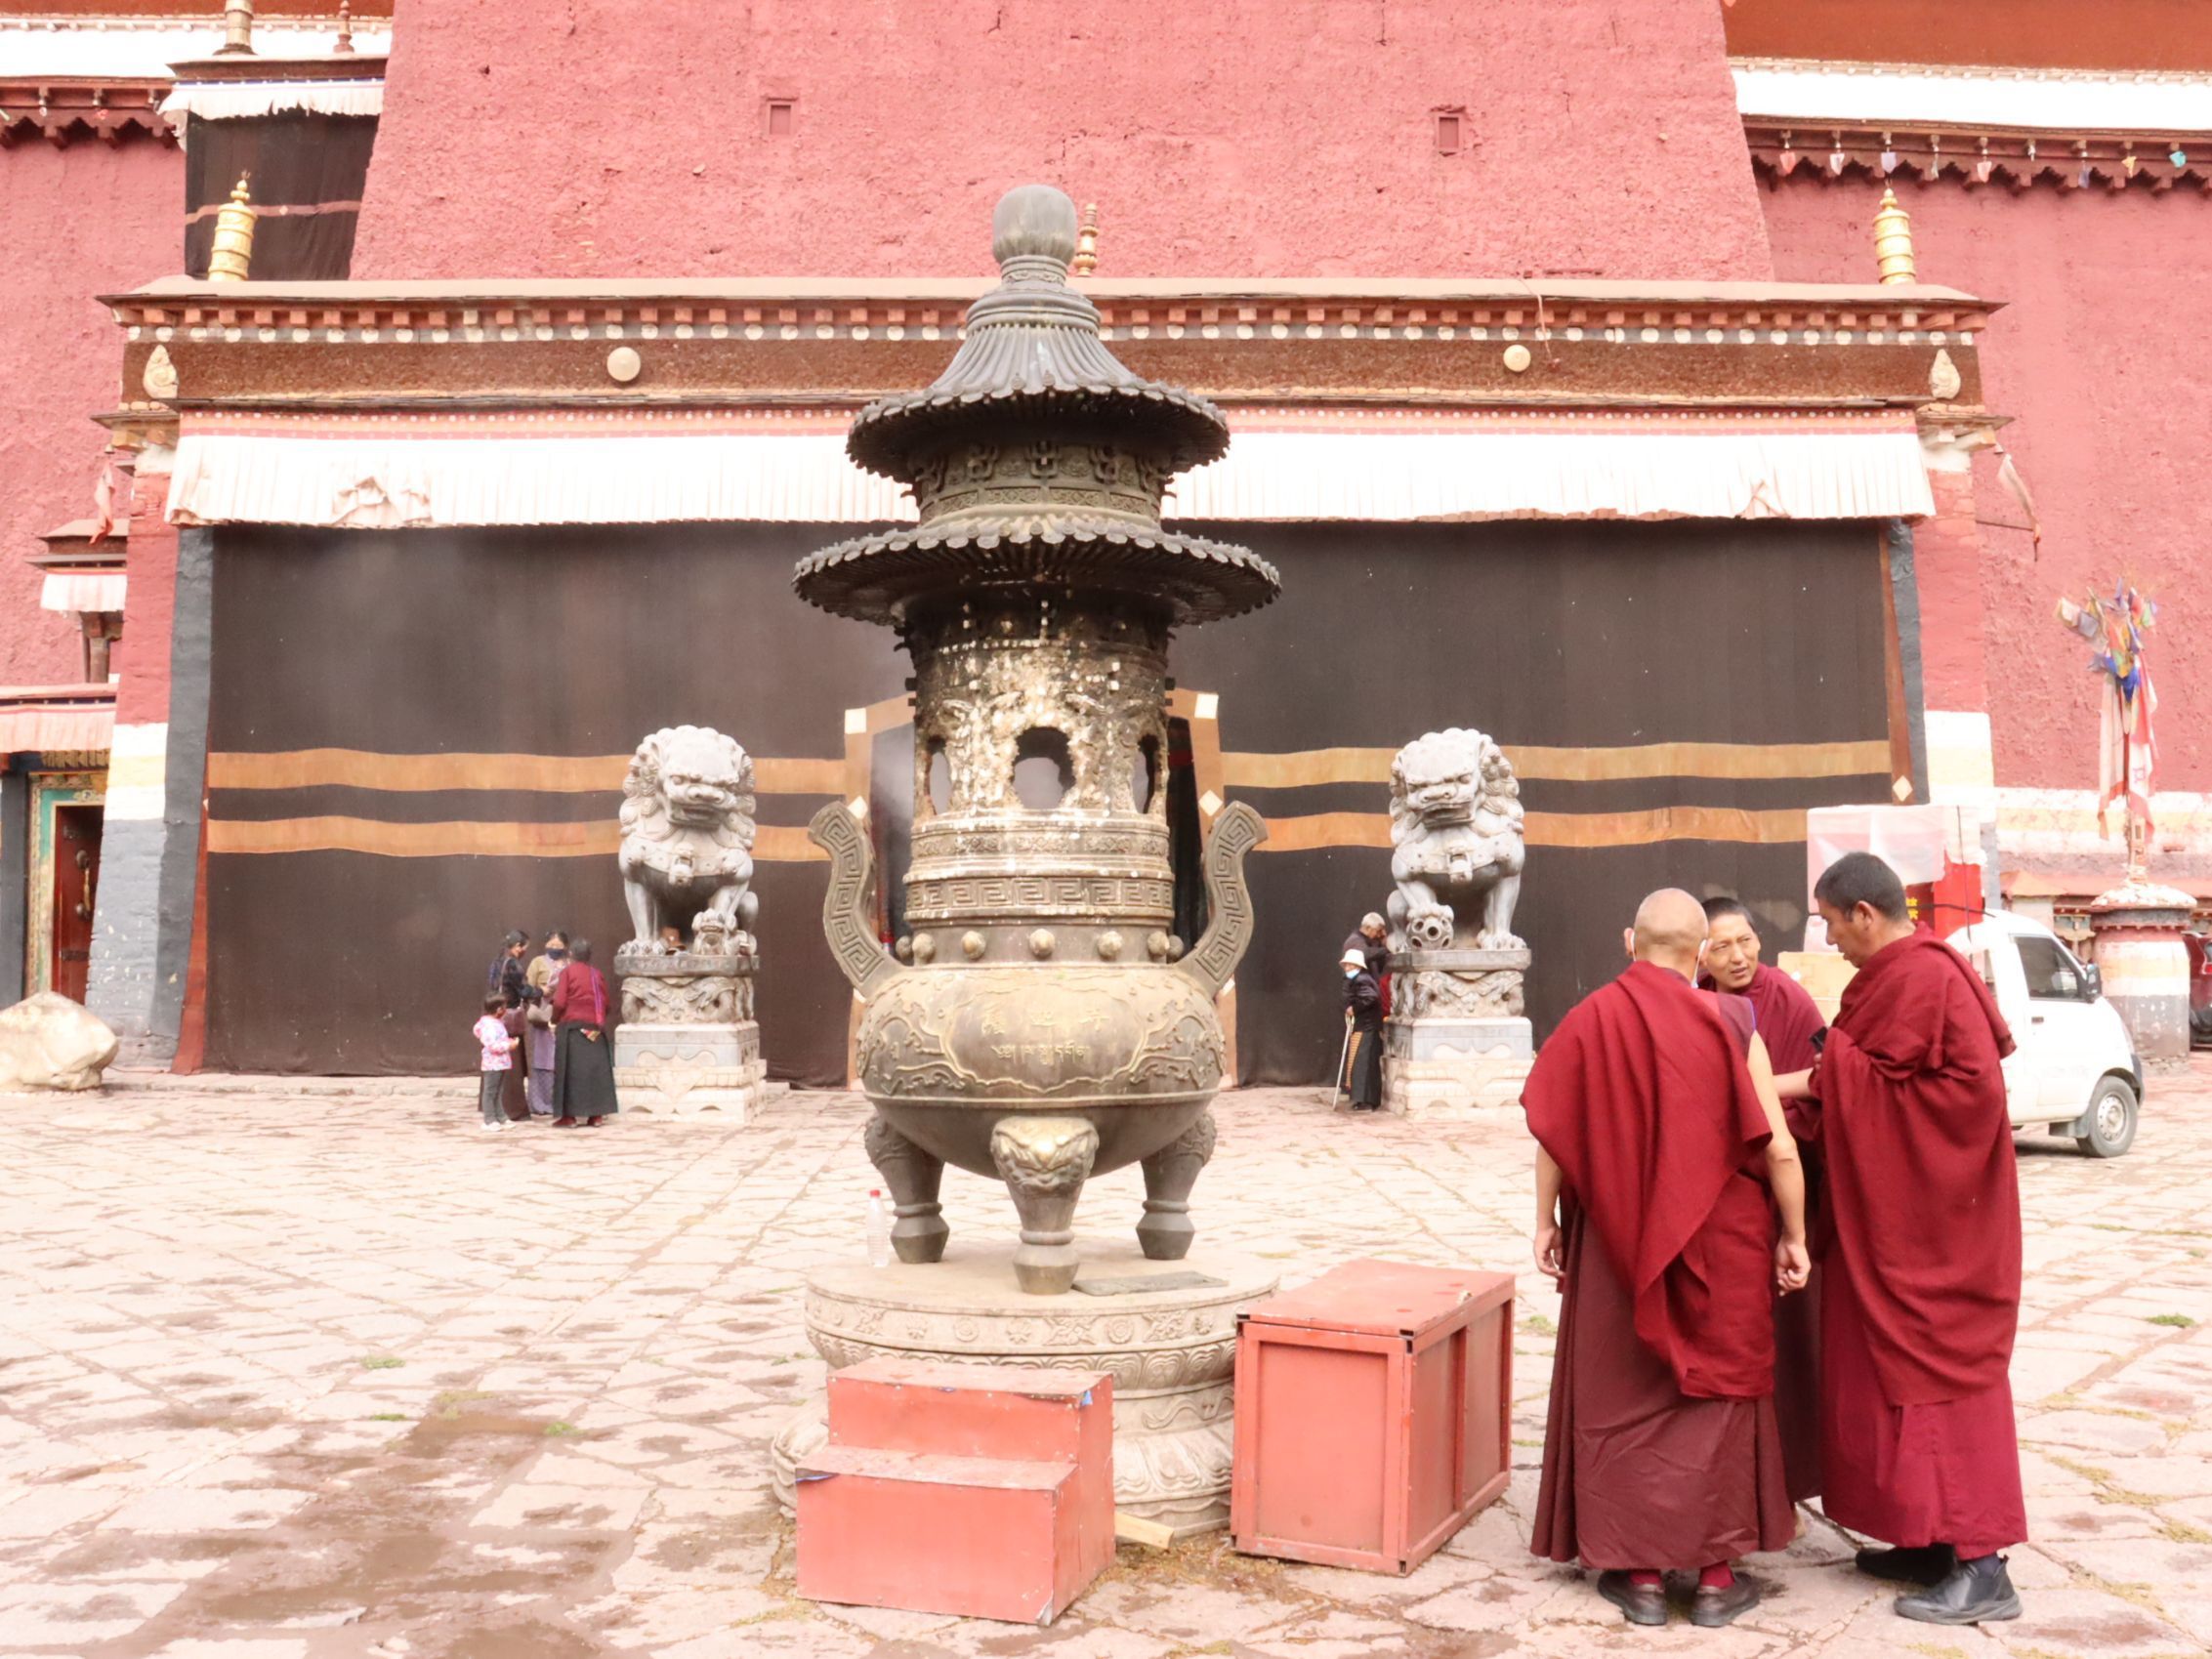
(76,875)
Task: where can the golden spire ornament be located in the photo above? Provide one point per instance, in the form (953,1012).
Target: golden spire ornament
(1892,241)
(1086,257)
(343,46)
(232,254)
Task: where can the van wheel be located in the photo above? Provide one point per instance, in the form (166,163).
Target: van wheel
(2110,1120)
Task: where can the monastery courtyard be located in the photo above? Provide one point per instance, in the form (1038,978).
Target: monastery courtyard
(289,1377)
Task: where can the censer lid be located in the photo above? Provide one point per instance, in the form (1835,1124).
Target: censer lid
(1034,341)
(1033,381)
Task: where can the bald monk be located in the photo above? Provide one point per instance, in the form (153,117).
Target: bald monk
(1920,1251)
(1659,1136)
(1789,1024)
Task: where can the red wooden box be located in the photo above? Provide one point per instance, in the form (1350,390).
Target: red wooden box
(983,1491)
(1373,1414)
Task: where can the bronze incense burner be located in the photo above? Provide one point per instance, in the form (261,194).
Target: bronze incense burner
(1039,1023)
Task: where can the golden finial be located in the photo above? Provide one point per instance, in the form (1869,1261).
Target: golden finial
(343,46)
(238,28)
(232,255)
(1086,257)
(1892,241)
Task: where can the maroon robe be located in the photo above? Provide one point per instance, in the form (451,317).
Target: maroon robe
(1921,1245)
(1660,1447)
(1788,1022)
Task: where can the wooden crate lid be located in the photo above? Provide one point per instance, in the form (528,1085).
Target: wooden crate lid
(1376,1297)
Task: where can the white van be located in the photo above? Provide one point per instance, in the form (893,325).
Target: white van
(2074,1067)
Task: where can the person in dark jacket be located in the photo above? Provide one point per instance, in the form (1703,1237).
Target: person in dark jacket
(507,977)
(1371,939)
(1363,1007)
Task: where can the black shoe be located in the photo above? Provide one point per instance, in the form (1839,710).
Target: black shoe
(1711,1608)
(1929,1563)
(1979,1592)
(1639,1603)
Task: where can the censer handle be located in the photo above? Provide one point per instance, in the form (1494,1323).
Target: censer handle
(849,908)
(1215,957)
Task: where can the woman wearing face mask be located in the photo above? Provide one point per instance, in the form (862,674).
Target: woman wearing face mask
(539,1036)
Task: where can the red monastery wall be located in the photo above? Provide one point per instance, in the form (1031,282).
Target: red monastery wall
(1231,137)
(2100,356)
(79,221)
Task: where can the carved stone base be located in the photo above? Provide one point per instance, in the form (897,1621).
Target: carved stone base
(1171,1354)
(691,1070)
(1454,1068)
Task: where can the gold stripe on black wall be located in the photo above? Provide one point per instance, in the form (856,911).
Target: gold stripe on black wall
(1304,769)
(774,843)
(553,774)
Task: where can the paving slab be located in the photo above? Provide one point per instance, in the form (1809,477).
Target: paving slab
(368,1384)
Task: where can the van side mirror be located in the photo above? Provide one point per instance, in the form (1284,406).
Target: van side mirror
(2092,982)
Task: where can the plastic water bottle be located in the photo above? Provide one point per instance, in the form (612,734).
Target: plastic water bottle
(879,1231)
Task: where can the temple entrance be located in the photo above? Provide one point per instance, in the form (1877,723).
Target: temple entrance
(76,881)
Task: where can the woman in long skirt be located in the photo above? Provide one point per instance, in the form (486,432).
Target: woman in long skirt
(539,1037)
(583,1063)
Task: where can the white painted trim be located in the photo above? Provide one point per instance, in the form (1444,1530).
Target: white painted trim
(144,49)
(137,771)
(387,483)
(2158,105)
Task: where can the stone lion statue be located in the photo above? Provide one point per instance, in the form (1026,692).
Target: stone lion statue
(686,853)
(1457,845)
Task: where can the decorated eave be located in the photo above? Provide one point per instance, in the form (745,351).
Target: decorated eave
(421,404)
(74,72)
(2070,129)
(56,720)
(243,87)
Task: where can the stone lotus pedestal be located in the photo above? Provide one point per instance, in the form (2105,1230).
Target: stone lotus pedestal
(1455,1045)
(1165,1331)
(689,1045)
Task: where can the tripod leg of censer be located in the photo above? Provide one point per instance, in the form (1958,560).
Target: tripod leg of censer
(914,1175)
(1044,1162)
(1165,1232)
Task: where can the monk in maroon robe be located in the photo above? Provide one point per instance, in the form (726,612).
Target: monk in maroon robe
(1921,1246)
(1659,1132)
(1789,1021)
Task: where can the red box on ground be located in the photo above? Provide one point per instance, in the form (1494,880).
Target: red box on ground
(1373,1414)
(984,1491)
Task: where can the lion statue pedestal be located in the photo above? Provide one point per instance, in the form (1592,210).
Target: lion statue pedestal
(688,1044)
(1456,1043)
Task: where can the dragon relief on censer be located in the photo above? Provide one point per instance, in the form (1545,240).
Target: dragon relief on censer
(1040,1022)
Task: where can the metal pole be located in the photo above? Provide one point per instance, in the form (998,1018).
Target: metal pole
(1344,1053)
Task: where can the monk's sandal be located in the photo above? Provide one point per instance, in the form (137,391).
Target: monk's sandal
(1639,1603)
(1979,1592)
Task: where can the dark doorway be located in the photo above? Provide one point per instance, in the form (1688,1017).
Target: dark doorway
(76,879)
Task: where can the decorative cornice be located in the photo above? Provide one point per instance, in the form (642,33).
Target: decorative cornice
(63,112)
(2017,158)
(801,309)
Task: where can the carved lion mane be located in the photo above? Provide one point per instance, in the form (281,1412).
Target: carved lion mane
(1457,844)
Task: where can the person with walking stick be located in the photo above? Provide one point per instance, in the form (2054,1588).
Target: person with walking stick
(1363,1036)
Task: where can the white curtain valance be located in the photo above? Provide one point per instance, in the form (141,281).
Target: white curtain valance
(383,481)
(244,100)
(92,590)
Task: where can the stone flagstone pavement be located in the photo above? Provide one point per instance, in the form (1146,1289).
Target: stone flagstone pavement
(291,1376)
